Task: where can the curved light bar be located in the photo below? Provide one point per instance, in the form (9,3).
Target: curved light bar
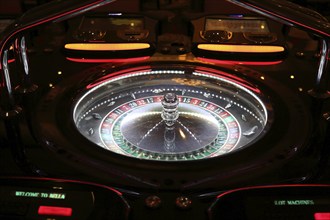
(106,46)
(240,62)
(97,60)
(241,48)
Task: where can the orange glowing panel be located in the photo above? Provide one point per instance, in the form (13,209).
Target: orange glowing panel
(106,46)
(241,48)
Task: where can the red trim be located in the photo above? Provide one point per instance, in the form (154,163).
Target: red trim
(122,60)
(234,62)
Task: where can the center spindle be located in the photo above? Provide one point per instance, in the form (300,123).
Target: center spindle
(170,112)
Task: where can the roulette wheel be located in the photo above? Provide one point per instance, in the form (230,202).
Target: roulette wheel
(173,109)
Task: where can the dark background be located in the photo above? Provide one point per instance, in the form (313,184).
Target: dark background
(14,8)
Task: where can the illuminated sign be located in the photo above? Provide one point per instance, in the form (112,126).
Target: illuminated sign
(46,195)
(294,202)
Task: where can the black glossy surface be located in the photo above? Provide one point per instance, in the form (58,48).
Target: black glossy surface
(295,150)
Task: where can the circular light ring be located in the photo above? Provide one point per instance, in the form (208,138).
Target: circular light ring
(231,105)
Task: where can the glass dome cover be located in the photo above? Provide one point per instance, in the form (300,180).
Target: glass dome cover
(171,113)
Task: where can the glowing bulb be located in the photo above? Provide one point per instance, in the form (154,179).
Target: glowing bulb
(182,134)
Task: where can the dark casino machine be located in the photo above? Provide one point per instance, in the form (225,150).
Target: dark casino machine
(167,109)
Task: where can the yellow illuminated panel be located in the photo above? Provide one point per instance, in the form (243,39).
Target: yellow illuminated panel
(241,48)
(106,46)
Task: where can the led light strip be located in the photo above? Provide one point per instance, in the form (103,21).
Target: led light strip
(241,48)
(106,46)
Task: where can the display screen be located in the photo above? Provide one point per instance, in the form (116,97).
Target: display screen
(111,23)
(286,207)
(237,25)
(45,198)
(294,202)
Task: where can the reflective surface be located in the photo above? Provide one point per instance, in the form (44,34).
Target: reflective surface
(171,129)
(171,114)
